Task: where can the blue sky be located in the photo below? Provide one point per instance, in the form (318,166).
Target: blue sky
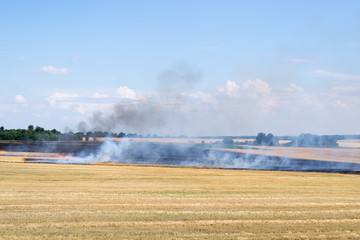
(206,67)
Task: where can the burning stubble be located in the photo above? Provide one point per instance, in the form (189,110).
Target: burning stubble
(185,155)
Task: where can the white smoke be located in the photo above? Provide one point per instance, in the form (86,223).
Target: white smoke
(109,151)
(189,155)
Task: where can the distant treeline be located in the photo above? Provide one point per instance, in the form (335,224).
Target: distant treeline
(303,140)
(310,140)
(40,134)
(36,134)
(338,137)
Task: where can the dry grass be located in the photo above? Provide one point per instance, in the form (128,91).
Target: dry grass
(350,143)
(12,159)
(45,201)
(19,157)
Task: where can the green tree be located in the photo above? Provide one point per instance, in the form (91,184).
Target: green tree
(39,129)
(266,140)
(228,141)
(260,138)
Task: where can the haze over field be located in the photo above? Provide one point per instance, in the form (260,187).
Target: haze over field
(185,67)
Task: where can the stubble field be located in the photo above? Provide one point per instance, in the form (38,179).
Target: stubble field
(49,201)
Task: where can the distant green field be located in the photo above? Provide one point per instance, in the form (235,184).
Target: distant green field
(45,201)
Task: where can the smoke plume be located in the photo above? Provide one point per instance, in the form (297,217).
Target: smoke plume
(180,76)
(132,116)
(165,112)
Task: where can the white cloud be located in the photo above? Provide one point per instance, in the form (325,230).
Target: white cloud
(99,95)
(221,89)
(81,109)
(346,89)
(20,99)
(341,104)
(250,88)
(258,85)
(54,70)
(231,89)
(301,60)
(125,92)
(336,75)
(344,96)
(252,92)
(60,97)
(293,87)
(17,59)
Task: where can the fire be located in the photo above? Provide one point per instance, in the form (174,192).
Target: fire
(107,163)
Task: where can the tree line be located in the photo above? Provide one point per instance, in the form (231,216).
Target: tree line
(40,134)
(35,134)
(303,140)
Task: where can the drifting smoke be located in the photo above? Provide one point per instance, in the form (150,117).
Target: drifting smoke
(150,114)
(177,109)
(82,126)
(138,117)
(179,77)
(178,115)
(189,156)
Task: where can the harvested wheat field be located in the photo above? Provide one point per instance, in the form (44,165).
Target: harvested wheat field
(53,201)
(349,143)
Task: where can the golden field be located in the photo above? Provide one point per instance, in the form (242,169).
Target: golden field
(53,201)
(349,143)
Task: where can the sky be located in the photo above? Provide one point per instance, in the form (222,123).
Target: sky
(196,68)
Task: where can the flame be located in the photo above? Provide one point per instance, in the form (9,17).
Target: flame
(107,163)
(64,156)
